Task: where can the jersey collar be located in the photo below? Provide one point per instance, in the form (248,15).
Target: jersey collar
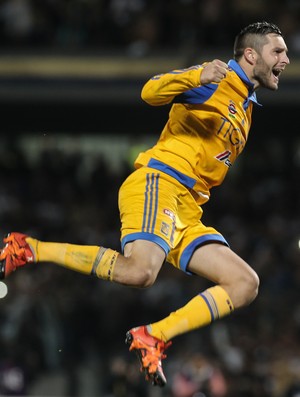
(242,75)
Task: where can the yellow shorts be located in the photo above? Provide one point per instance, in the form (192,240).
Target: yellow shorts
(156,207)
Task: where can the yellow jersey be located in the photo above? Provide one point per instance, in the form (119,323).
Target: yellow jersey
(207,128)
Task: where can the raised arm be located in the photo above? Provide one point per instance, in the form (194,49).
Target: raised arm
(163,88)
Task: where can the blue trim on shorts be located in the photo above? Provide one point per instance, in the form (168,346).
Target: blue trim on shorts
(145,236)
(190,249)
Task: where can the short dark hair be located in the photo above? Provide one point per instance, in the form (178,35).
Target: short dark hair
(253,35)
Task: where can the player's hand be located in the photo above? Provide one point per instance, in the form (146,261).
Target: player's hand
(213,72)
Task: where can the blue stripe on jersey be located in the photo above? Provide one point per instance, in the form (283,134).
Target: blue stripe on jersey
(167,169)
(190,249)
(177,71)
(180,71)
(196,95)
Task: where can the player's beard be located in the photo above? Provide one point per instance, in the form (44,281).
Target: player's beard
(262,73)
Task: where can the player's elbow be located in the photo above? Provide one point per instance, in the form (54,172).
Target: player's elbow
(146,95)
(153,97)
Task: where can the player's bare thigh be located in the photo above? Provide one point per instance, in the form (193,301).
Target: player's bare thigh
(140,264)
(219,264)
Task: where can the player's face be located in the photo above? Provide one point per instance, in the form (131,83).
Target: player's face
(271,62)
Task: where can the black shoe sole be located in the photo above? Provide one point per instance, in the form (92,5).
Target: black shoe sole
(155,377)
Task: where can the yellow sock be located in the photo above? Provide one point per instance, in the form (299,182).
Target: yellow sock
(87,259)
(210,305)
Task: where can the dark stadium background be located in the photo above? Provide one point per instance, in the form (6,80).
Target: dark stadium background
(71,123)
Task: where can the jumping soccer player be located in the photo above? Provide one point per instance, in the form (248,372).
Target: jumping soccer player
(161,201)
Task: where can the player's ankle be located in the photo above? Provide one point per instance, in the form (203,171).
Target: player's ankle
(33,244)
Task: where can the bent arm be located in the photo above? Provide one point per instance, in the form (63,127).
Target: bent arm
(162,89)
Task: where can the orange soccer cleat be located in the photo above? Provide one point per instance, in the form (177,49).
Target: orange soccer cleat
(150,352)
(15,253)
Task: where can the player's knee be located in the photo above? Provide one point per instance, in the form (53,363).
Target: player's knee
(143,263)
(144,277)
(141,274)
(249,285)
(243,288)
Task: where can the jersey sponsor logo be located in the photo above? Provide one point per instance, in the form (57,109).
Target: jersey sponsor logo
(231,109)
(224,157)
(169,213)
(233,134)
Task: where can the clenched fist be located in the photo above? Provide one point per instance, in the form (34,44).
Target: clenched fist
(213,72)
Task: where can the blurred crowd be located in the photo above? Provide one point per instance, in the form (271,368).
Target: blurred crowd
(139,26)
(62,333)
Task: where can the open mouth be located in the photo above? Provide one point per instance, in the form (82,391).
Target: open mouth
(276,73)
